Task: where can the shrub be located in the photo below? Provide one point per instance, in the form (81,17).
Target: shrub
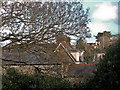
(107,74)
(15,80)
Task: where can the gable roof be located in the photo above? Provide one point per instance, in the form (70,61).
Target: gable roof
(66,50)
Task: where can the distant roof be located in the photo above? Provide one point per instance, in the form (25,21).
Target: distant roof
(116,35)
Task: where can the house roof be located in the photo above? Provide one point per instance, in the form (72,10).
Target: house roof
(32,56)
(67,51)
(39,54)
(116,35)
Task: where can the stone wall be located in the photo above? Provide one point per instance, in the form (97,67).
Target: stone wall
(72,73)
(31,69)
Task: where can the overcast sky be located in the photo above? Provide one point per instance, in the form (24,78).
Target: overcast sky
(103,15)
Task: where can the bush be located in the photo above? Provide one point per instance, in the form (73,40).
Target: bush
(15,80)
(107,74)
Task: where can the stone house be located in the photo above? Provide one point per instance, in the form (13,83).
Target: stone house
(51,59)
(75,55)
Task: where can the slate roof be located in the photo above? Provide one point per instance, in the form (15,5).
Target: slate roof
(39,54)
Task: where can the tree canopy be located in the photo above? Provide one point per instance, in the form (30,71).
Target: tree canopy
(80,44)
(37,22)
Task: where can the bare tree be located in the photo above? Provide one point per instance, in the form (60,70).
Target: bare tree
(37,22)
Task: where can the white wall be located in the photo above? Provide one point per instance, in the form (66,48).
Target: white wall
(77,56)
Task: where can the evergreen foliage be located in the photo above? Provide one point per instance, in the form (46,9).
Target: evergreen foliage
(15,80)
(107,74)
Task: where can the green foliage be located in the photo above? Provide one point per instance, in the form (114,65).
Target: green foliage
(89,54)
(107,74)
(80,44)
(15,80)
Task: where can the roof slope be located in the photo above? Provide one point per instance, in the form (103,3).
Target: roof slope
(61,47)
(39,54)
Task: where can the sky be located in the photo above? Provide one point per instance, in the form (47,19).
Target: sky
(103,15)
